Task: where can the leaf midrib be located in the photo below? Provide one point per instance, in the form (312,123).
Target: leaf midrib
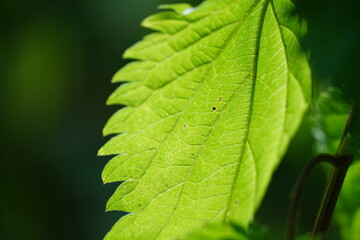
(253,79)
(246,137)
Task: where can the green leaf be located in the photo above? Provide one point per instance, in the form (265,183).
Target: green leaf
(330,117)
(228,232)
(347,212)
(212,102)
(217,232)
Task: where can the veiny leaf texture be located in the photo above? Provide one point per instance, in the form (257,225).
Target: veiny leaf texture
(211,104)
(229,231)
(218,232)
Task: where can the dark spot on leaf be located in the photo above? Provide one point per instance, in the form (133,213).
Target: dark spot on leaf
(185,125)
(220,98)
(213,108)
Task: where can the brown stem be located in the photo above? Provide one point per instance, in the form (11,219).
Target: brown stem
(340,162)
(297,192)
(334,183)
(331,194)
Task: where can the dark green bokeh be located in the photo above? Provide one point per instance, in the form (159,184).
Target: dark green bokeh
(57,59)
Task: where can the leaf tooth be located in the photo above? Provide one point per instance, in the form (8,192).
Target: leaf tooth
(131,121)
(130,94)
(122,224)
(113,146)
(148,48)
(115,124)
(125,167)
(119,201)
(178,8)
(133,143)
(134,71)
(167,22)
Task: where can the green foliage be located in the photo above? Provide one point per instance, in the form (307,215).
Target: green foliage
(218,232)
(212,102)
(347,212)
(330,116)
(329,122)
(228,232)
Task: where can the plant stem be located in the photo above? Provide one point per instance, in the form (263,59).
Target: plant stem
(297,192)
(331,194)
(340,162)
(335,181)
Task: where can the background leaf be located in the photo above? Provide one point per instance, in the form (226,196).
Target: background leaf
(347,212)
(330,119)
(212,104)
(330,116)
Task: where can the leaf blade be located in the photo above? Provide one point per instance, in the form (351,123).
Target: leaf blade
(195,157)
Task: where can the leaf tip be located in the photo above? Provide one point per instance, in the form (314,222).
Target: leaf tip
(119,74)
(102,151)
(178,8)
(108,129)
(104,177)
(111,100)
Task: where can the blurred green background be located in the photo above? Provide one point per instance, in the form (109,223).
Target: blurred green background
(57,59)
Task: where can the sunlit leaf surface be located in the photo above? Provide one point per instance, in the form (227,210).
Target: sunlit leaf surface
(211,104)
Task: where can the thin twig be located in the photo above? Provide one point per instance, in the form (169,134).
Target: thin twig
(335,182)
(297,192)
(340,162)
